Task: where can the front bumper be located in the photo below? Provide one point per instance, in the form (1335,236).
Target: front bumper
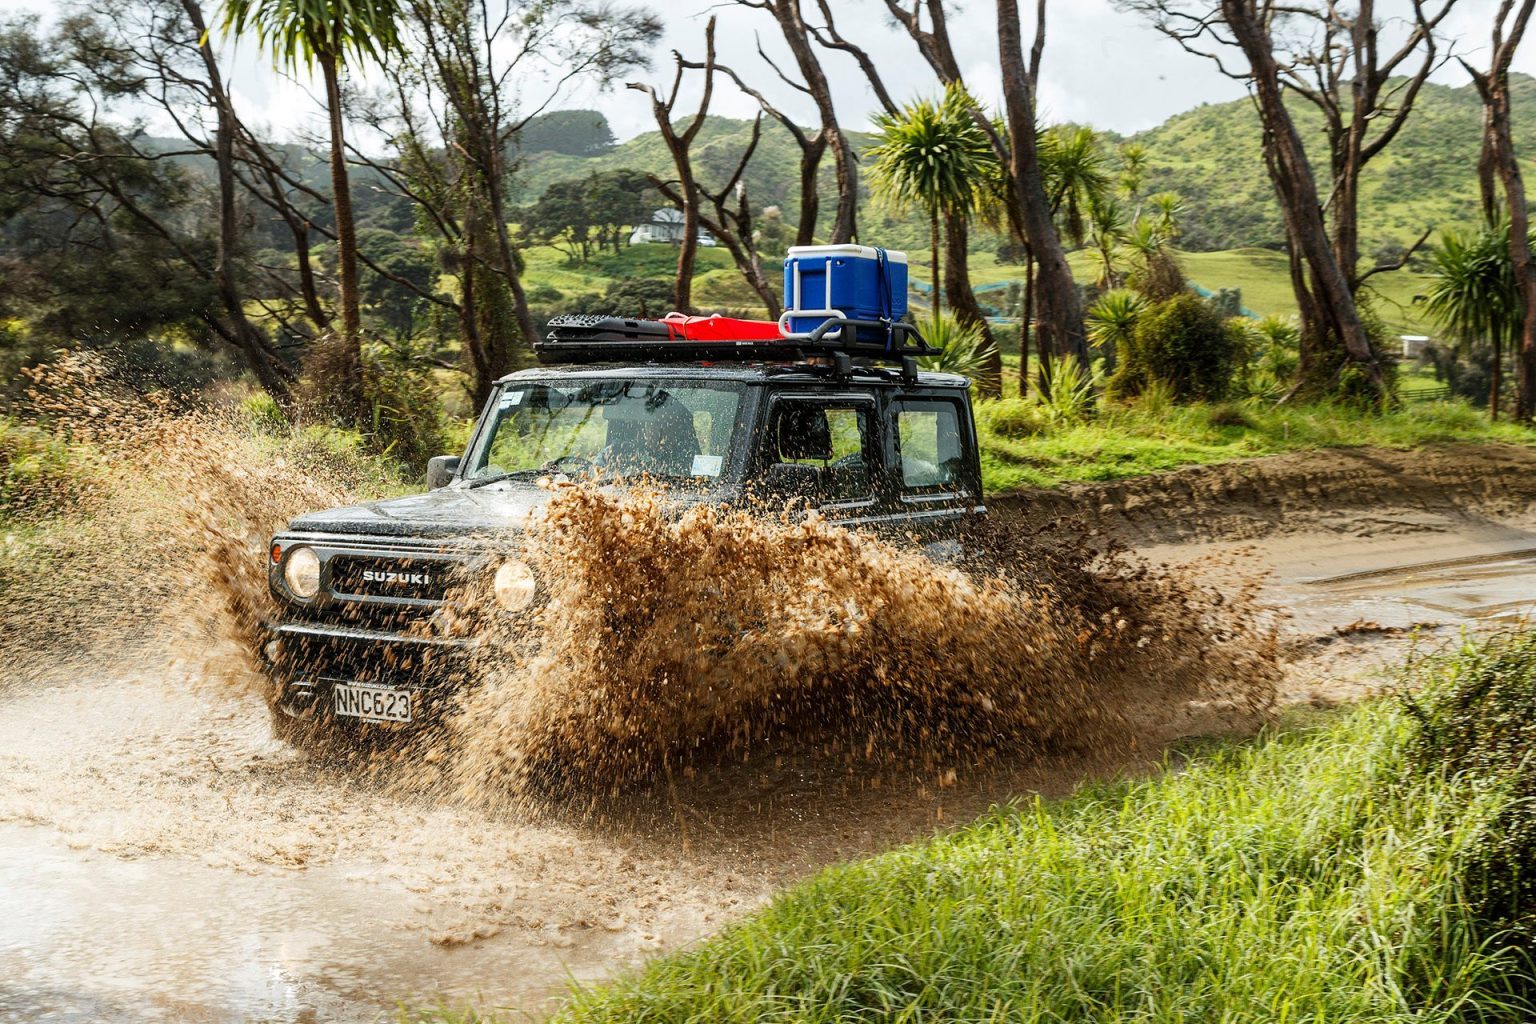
(305,660)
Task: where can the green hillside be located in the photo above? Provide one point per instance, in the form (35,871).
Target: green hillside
(1427,177)
(1210,155)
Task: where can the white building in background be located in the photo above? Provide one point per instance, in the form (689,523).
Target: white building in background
(665,228)
(1414,345)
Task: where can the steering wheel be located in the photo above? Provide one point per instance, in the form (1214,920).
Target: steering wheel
(570,465)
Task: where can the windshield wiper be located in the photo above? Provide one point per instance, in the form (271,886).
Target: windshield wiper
(520,474)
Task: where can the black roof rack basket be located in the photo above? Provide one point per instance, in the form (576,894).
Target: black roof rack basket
(579,338)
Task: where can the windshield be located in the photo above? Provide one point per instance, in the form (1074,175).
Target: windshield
(679,432)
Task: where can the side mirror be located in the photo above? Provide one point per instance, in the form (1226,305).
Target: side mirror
(440,470)
(784,480)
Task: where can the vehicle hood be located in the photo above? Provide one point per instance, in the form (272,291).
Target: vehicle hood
(447,512)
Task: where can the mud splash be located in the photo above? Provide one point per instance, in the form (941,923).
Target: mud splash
(670,639)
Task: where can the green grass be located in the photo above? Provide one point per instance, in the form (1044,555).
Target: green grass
(1313,876)
(1022,447)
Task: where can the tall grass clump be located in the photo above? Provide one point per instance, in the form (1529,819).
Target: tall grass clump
(963,348)
(1321,874)
(1480,723)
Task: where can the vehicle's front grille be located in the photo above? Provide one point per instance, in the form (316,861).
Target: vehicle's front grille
(390,577)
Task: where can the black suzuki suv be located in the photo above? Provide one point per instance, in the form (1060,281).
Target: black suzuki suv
(850,428)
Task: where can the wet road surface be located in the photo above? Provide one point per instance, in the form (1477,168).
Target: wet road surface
(162,859)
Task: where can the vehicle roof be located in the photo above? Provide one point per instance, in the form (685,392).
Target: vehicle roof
(793,373)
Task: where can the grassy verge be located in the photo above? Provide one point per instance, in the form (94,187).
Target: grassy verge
(1021,446)
(1318,875)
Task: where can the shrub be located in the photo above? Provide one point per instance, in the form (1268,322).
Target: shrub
(39,472)
(1111,323)
(405,414)
(1272,352)
(1483,725)
(1184,343)
(963,349)
(1012,417)
(1072,386)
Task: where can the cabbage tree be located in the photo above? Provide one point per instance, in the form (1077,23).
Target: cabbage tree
(326,35)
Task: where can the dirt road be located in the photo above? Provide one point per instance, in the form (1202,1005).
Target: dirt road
(162,859)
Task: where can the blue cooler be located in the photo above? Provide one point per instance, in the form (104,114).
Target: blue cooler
(857,282)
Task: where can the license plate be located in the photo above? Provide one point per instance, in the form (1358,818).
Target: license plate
(371,703)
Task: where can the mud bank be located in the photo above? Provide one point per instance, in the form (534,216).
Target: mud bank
(1356,492)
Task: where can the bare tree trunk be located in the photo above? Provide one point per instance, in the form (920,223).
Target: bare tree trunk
(797,35)
(938,260)
(1061,311)
(810,193)
(679,144)
(733,227)
(1499,144)
(1297,190)
(1345,205)
(274,376)
(346,243)
(957,279)
(687,251)
(962,300)
(493,185)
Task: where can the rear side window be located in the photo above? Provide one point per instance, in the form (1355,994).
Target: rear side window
(929,442)
(832,437)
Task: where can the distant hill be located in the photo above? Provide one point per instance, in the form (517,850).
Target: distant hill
(1211,155)
(1427,176)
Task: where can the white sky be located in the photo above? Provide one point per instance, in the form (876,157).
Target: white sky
(1101,67)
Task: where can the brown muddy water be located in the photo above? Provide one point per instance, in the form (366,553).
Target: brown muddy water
(163,859)
(726,702)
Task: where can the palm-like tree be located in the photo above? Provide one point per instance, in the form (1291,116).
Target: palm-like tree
(1155,271)
(1106,233)
(1165,209)
(324,34)
(1073,166)
(1474,298)
(1111,322)
(934,156)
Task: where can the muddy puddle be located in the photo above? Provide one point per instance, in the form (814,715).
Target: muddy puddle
(86,937)
(1488,587)
(163,859)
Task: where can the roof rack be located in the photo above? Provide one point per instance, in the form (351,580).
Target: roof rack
(586,338)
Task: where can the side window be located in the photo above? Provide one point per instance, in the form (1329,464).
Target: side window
(832,438)
(929,441)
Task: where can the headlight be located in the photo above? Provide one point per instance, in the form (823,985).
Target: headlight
(302,573)
(514,586)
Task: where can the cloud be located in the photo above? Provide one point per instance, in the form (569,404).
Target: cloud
(1102,67)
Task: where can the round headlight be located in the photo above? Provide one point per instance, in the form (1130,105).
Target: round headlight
(514,585)
(302,573)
